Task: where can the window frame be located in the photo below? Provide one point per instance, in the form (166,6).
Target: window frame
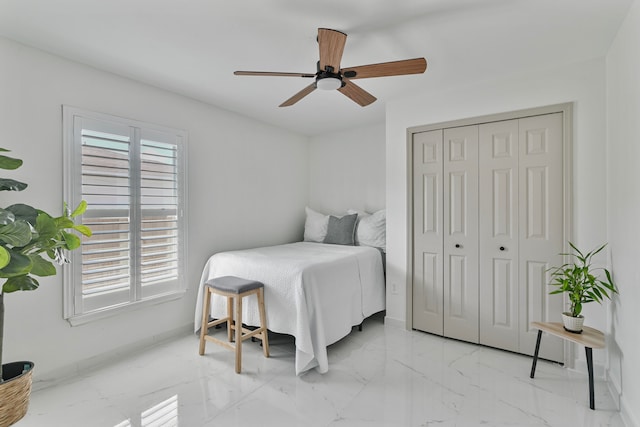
(73,299)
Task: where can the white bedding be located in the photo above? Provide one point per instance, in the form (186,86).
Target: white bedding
(316,292)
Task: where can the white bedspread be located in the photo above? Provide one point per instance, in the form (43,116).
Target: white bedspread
(316,292)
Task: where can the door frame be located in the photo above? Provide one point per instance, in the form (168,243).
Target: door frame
(567,184)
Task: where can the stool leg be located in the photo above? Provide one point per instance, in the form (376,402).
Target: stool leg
(205,319)
(238,327)
(588,350)
(229,318)
(263,323)
(535,355)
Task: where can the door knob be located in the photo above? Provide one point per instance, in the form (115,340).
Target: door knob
(458,245)
(502,248)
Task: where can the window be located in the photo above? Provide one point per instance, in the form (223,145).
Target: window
(132,176)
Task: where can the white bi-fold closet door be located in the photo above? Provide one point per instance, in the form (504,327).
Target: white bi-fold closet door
(487,225)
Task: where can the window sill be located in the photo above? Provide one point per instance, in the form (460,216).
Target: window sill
(82,319)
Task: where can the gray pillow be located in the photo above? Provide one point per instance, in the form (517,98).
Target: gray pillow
(341,231)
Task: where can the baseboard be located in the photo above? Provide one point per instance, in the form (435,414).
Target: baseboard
(626,413)
(63,373)
(395,323)
(615,389)
(624,407)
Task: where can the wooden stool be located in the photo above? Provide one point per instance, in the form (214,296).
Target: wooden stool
(234,288)
(590,338)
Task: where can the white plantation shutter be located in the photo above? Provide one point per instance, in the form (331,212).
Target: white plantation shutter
(132,176)
(106,186)
(159,206)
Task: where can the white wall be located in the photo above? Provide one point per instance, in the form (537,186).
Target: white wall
(248,185)
(581,83)
(347,170)
(623,200)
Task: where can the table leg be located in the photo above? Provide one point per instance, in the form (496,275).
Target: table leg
(590,369)
(535,355)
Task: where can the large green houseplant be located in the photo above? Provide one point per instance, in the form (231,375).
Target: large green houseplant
(582,283)
(29,240)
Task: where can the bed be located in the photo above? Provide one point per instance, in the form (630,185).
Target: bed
(315,292)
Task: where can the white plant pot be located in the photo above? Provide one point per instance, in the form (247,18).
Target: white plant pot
(572,324)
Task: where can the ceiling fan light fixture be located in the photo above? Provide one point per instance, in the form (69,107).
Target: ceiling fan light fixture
(329,83)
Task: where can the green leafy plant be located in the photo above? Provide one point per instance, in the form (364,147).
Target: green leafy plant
(29,239)
(579,280)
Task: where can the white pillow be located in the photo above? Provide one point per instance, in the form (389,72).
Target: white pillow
(371,229)
(315,226)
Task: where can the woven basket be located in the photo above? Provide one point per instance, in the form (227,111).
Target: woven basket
(15,392)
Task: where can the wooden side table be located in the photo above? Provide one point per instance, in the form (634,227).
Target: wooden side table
(590,338)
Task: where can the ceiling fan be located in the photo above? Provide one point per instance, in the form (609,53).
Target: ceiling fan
(330,76)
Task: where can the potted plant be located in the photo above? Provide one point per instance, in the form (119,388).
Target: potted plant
(27,234)
(580,281)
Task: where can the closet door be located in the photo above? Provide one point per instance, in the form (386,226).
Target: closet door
(499,234)
(488,223)
(428,288)
(541,227)
(460,250)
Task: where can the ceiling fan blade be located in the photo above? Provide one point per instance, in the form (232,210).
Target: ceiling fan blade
(394,68)
(331,44)
(357,94)
(298,96)
(269,73)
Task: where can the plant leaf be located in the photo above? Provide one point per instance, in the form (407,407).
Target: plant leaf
(82,207)
(591,296)
(599,293)
(72,241)
(6,217)
(593,253)
(16,234)
(7,184)
(83,229)
(580,255)
(610,284)
(9,163)
(20,283)
(18,265)
(577,309)
(63,222)
(42,267)
(46,227)
(5,257)
(25,212)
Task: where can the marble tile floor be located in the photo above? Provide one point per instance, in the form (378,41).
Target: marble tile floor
(382,376)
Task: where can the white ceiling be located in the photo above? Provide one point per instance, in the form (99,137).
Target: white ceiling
(192,47)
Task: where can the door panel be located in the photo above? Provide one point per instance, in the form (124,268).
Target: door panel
(428,285)
(541,236)
(460,252)
(432,295)
(457,287)
(498,157)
